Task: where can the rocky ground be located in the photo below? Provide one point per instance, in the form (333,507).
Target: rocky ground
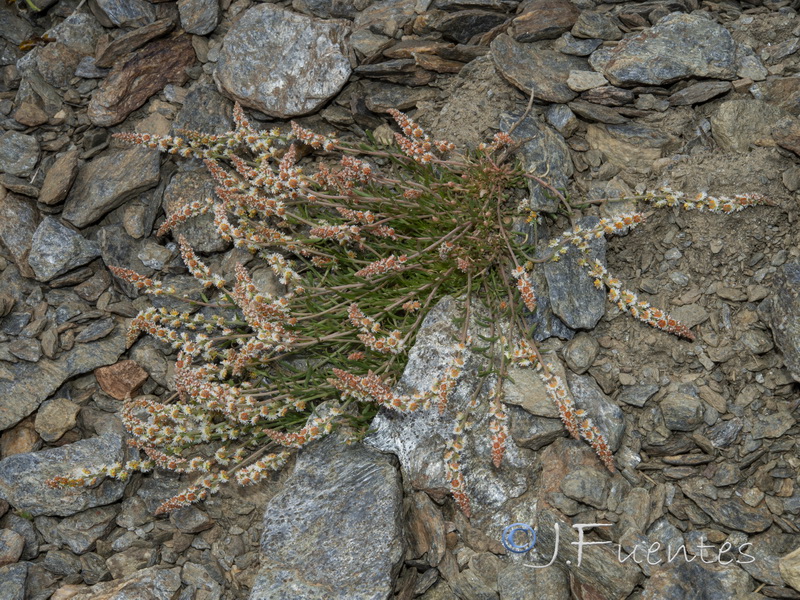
(628,95)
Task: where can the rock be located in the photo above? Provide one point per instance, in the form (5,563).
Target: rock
(11,545)
(110,50)
(417,438)
(331,9)
(681,412)
(772,426)
(26,349)
(19,439)
(144,73)
(96,330)
(637,395)
(519,582)
(728,512)
(23,476)
(738,123)
(606,415)
(580,81)
(255,69)
(33,383)
(787,134)
(80,531)
(689,579)
(126,13)
(12,581)
(380,97)
(630,145)
(30,115)
(543,20)
(56,417)
(599,568)
(596,112)
(669,52)
(608,95)
(153,583)
(784,320)
(200,232)
(563,120)
(595,25)
(108,181)
(199,17)
(699,92)
(781,91)
(19,153)
(121,380)
(18,221)
(130,560)
(191,520)
(567,44)
(534,69)
(581,352)
(57,249)
(340,510)
(573,296)
(387,17)
(544,152)
(790,569)
(59,178)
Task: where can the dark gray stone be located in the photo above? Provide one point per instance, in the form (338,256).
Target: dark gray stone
(595,25)
(200,232)
(12,581)
(637,395)
(255,68)
(545,151)
(199,17)
(56,249)
(23,477)
(568,44)
(784,317)
(606,415)
(204,109)
(573,296)
(19,153)
(679,46)
(18,221)
(681,412)
(106,182)
(340,511)
(127,13)
(535,69)
(695,581)
(699,92)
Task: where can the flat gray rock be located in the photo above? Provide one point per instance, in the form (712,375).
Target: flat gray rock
(535,69)
(679,46)
(56,249)
(19,153)
(18,221)
(199,17)
(34,383)
(107,181)
(23,477)
(335,529)
(282,63)
(785,316)
(127,13)
(573,296)
(12,581)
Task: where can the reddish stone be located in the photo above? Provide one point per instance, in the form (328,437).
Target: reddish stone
(122,379)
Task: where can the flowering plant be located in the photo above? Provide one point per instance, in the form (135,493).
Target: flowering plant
(362,251)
